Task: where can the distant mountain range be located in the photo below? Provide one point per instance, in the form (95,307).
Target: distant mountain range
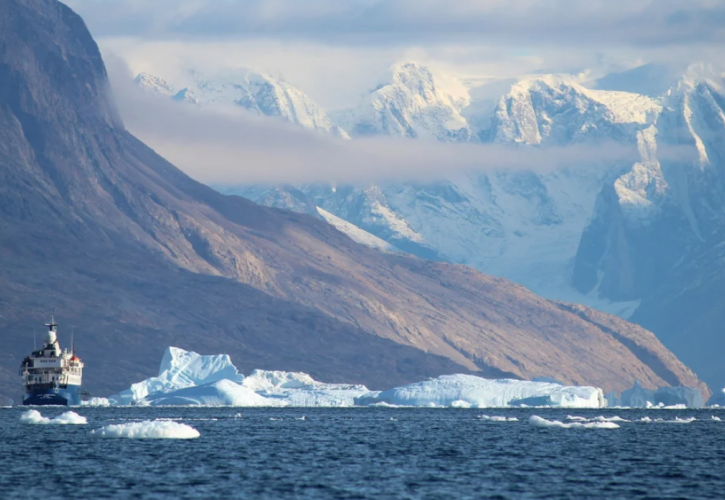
(135,256)
(637,239)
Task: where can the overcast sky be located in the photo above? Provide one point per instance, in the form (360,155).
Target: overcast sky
(335,50)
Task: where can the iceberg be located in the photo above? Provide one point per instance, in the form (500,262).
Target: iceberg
(67,418)
(148,429)
(450,390)
(189,379)
(219,393)
(664,397)
(299,389)
(181,369)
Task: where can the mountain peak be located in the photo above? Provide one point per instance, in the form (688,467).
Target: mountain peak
(154,84)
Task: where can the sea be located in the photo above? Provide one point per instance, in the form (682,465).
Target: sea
(366,453)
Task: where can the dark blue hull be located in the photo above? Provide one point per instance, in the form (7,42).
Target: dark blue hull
(69,396)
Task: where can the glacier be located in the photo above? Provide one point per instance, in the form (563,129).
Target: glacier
(189,379)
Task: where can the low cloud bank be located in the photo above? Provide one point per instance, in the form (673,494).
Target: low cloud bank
(222,147)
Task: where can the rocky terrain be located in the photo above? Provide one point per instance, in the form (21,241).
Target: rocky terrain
(134,256)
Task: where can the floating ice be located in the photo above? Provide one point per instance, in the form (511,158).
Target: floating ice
(716,419)
(677,420)
(220,393)
(299,389)
(537,421)
(484,393)
(180,369)
(189,379)
(67,418)
(496,418)
(94,401)
(596,419)
(671,398)
(148,429)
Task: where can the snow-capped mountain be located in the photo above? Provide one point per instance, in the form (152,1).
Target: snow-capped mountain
(522,225)
(158,86)
(256,92)
(641,235)
(413,105)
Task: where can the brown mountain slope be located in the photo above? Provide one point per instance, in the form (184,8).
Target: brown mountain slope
(138,256)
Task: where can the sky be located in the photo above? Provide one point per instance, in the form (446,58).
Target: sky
(336,51)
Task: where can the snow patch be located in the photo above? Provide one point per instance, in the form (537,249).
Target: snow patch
(355,233)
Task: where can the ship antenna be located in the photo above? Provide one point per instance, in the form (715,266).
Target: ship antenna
(35,346)
(72,339)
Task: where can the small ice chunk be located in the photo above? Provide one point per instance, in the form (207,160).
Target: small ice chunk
(716,419)
(67,418)
(610,419)
(460,404)
(94,401)
(148,429)
(537,421)
(496,418)
(576,419)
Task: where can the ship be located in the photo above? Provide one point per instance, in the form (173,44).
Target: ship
(52,376)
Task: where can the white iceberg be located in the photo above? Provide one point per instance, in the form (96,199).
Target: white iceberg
(447,390)
(67,418)
(537,421)
(299,389)
(148,429)
(181,369)
(189,379)
(220,393)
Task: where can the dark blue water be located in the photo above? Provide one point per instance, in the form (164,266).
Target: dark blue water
(363,453)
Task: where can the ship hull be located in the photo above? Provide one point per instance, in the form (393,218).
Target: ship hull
(67,396)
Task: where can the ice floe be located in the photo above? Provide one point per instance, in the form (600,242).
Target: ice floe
(537,421)
(677,420)
(67,418)
(148,429)
(496,418)
(596,419)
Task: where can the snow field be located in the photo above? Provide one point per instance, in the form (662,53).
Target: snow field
(67,418)
(148,429)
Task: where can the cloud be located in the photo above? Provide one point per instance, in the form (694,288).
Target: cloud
(242,148)
(406,22)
